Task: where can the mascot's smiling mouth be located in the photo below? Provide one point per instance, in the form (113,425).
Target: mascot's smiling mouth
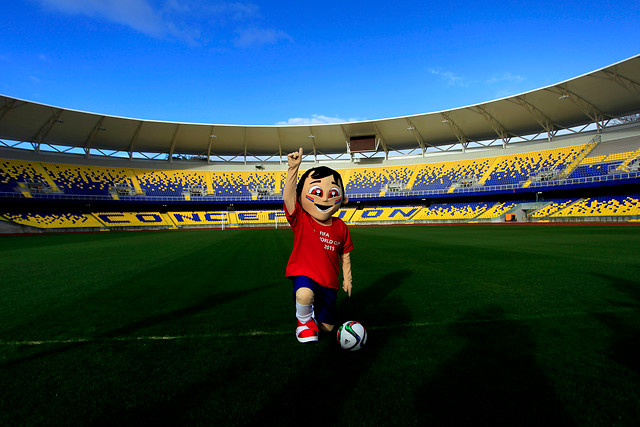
(322,208)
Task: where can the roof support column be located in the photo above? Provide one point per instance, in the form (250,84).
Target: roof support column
(417,135)
(312,139)
(92,136)
(245,145)
(8,106)
(542,119)
(631,86)
(382,142)
(589,110)
(212,138)
(173,143)
(497,127)
(279,144)
(134,138)
(346,142)
(462,138)
(44,130)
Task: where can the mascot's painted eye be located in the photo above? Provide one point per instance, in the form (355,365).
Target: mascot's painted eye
(334,192)
(316,191)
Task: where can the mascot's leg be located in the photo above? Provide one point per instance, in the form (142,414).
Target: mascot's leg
(306,330)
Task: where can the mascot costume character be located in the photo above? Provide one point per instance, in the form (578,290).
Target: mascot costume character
(321,246)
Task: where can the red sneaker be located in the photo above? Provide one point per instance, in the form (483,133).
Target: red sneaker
(307,332)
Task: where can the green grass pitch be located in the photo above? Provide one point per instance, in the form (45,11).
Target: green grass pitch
(468,325)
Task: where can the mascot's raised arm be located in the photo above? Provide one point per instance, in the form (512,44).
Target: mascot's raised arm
(321,245)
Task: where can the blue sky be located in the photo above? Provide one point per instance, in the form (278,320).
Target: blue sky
(292,62)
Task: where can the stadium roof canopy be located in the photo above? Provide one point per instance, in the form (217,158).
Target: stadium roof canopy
(596,97)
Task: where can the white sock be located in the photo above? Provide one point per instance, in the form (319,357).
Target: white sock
(304,312)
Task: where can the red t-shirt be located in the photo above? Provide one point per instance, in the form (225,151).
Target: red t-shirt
(316,247)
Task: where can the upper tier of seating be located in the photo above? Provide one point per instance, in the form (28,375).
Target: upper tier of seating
(374,179)
(13,172)
(517,170)
(445,175)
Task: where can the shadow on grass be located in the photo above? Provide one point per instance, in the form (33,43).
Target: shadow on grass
(242,381)
(494,379)
(625,345)
(375,305)
(206,304)
(322,383)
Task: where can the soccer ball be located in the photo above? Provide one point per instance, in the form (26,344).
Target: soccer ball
(352,336)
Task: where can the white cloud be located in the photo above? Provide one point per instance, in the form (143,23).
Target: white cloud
(137,14)
(191,21)
(315,119)
(176,6)
(450,78)
(506,77)
(258,37)
(235,10)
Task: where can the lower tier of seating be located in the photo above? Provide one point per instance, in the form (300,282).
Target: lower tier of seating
(627,206)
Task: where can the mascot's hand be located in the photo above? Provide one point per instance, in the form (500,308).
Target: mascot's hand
(294,159)
(346,286)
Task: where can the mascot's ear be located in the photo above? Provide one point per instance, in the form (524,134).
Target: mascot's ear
(345,200)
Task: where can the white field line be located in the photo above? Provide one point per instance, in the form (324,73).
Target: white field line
(143,338)
(282,333)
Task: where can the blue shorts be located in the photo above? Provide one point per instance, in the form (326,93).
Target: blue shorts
(325,300)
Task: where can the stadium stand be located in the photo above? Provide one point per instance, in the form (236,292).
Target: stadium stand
(261,217)
(346,213)
(452,211)
(448,175)
(490,161)
(30,174)
(497,210)
(386,214)
(173,182)
(602,206)
(377,180)
(606,158)
(551,208)
(54,220)
(199,218)
(134,219)
(626,206)
(594,169)
(253,184)
(612,150)
(409,187)
(519,168)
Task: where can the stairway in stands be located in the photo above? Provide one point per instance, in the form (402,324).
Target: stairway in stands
(588,148)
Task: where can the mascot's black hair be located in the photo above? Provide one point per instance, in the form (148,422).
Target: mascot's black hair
(319,173)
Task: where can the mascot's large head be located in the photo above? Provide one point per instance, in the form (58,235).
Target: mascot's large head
(320,192)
